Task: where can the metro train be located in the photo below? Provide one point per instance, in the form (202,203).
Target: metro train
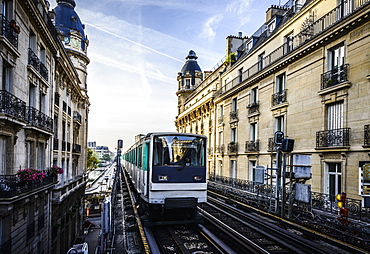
(168,171)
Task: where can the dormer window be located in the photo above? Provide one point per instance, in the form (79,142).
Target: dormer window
(187,83)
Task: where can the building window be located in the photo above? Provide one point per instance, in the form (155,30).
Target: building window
(233,135)
(240,75)
(253,132)
(279,123)
(336,67)
(335,115)
(32,96)
(288,41)
(187,83)
(254,95)
(336,57)
(220,114)
(252,165)
(260,61)
(233,169)
(280,83)
(7,77)
(220,168)
(280,92)
(33,42)
(41,156)
(333,178)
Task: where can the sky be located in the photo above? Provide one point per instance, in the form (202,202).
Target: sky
(136,49)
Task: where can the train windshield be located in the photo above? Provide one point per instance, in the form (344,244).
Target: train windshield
(179,150)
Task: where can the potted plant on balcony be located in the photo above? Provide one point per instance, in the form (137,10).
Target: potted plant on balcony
(56,170)
(30,175)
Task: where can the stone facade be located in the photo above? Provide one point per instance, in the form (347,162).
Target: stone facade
(305,73)
(37,79)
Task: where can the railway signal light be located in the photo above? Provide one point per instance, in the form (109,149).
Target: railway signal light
(341,199)
(343,212)
(278,137)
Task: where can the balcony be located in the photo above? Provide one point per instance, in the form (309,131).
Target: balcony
(77,117)
(305,36)
(12,106)
(38,119)
(367,135)
(253,108)
(220,149)
(11,185)
(232,147)
(278,98)
(332,138)
(234,116)
(220,120)
(76,148)
(271,145)
(334,77)
(35,62)
(9,30)
(252,146)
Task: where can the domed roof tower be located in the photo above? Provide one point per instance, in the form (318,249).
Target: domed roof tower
(188,79)
(69,25)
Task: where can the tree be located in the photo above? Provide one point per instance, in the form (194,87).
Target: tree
(106,157)
(92,160)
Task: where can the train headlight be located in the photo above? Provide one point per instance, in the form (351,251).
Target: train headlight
(197,178)
(163,178)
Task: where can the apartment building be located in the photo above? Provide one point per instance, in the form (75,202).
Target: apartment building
(304,73)
(43,116)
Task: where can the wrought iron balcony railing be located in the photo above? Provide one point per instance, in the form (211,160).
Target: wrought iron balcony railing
(271,145)
(312,30)
(234,115)
(12,106)
(320,201)
(252,146)
(12,185)
(38,119)
(220,148)
(334,77)
(253,108)
(367,135)
(220,119)
(232,147)
(76,148)
(279,97)
(9,30)
(77,117)
(35,62)
(332,138)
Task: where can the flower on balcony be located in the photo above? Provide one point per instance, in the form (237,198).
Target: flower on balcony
(56,170)
(30,174)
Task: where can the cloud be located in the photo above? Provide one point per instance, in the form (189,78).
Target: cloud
(210,27)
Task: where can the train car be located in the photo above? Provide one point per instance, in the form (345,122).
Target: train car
(168,171)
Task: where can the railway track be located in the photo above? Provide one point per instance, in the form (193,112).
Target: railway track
(184,239)
(259,234)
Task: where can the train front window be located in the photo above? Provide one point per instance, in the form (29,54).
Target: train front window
(179,150)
